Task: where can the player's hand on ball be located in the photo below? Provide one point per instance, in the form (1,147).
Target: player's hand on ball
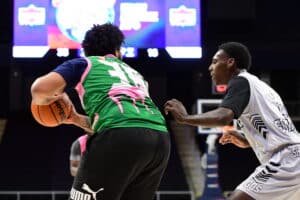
(53,114)
(79,120)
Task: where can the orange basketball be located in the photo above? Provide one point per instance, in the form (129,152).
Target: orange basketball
(53,114)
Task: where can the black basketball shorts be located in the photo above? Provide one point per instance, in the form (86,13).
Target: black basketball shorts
(122,164)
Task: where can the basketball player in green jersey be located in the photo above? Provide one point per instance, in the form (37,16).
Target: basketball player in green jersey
(129,146)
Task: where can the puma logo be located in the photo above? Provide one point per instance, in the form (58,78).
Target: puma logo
(89,190)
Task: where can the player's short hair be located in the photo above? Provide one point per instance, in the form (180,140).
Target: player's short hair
(103,39)
(239,52)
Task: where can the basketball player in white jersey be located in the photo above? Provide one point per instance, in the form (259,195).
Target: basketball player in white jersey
(266,125)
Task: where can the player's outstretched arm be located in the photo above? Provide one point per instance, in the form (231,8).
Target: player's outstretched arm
(218,117)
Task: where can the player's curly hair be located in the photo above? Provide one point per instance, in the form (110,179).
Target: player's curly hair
(103,39)
(239,52)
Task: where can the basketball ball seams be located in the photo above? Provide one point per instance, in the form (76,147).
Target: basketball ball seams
(66,107)
(53,113)
(39,114)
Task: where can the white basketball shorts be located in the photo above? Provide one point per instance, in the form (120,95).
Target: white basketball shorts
(279,179)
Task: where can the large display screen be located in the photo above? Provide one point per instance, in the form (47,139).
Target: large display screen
(173,25)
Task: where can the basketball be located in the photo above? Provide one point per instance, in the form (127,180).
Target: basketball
(53,114)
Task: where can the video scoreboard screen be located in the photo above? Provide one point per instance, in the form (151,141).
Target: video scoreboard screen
(154,25)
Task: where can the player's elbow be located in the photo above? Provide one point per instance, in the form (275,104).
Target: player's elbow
(223,120)
(36,88)
(225,116)
(38,92)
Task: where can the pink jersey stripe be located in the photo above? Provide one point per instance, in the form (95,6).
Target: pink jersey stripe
(79,87)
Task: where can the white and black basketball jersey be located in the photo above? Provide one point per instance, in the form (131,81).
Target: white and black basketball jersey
(265,121)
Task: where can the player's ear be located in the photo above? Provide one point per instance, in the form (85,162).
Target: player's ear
(230,62)
(118,54)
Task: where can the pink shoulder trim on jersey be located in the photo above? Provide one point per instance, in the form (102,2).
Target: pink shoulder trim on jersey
(79,87)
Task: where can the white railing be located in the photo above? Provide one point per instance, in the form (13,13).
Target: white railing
(18,194)
(52,195)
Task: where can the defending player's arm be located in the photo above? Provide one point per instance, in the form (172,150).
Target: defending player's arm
(218,117)
(232,106)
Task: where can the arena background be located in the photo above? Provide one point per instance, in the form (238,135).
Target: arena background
(33,157)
